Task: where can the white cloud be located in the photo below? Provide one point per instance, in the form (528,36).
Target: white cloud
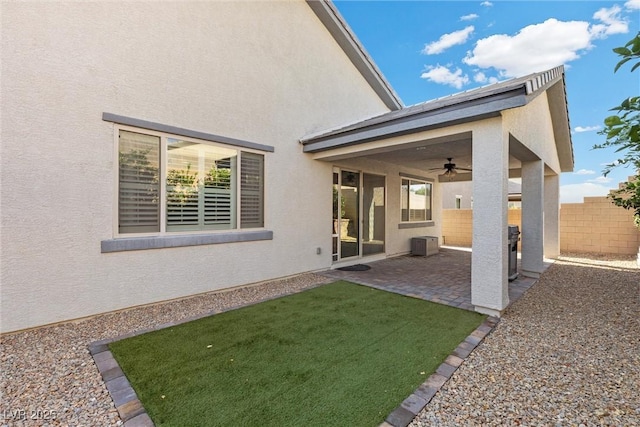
(580,129)
(486,3)
(472,16)
(441,74)
(584,172)
(448,40)
(600,180)
(481,77)
(534,48)
(632,4)
(612,22)
(575,193)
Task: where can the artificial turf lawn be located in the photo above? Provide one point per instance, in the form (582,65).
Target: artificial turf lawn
(339,354)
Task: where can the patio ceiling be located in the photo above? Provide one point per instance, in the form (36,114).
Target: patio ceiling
(428,155)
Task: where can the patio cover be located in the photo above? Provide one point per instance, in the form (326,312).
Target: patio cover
(515,128)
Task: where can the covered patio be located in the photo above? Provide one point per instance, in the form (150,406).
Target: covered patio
(443,278)
(514,129)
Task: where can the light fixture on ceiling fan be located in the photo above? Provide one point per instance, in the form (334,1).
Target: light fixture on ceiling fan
(450,169)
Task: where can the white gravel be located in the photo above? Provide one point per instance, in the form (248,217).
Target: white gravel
(565,354)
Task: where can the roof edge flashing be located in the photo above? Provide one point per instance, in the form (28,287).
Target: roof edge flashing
(542,80)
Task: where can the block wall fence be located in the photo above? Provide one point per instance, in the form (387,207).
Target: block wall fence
(595,226)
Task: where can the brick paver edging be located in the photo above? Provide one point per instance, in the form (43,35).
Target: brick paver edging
(412,405)
(129,407)
(133,414)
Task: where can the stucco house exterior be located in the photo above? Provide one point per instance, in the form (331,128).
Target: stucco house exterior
(156,150)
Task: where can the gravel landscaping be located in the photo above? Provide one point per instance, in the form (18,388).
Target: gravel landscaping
(566,353)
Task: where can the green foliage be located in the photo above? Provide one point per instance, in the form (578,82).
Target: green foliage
(622,132)
(628,197)
(218,177)
(137,163)
(421,191)
(136,169)
(182,177)
(182,186)
(629,52)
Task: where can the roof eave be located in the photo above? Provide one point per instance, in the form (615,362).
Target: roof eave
(422,121)
(558,107)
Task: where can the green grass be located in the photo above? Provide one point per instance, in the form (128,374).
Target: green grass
(339,354)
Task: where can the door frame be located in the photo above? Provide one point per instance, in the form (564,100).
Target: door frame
(337,259)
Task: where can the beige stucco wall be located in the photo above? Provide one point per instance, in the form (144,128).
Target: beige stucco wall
(532,126)
(595,226)
(267,72)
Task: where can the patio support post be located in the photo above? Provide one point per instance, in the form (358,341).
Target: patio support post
(552,216)
(532,218)
(489,257)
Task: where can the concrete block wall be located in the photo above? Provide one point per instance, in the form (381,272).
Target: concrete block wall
(595,226)
(457,228)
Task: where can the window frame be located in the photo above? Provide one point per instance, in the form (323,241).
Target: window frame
(166,239)
(428,221)
(164,136)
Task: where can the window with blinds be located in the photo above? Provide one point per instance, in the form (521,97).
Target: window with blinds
(201,183)
(415,200)
(252,190)
(195,186)
(139,186)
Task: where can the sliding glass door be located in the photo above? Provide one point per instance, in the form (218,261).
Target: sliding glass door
(358,214)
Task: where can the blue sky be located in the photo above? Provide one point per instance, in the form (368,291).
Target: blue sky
(429,49)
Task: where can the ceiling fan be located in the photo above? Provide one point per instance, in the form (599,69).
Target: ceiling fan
(450,169)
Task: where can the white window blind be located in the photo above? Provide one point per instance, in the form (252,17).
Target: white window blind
(200,181)
(139,186)
(252,190)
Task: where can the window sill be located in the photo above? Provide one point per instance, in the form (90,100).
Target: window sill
(420,224)
(161,242)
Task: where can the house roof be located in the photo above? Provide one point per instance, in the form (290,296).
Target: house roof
(485,102)
(346,39)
